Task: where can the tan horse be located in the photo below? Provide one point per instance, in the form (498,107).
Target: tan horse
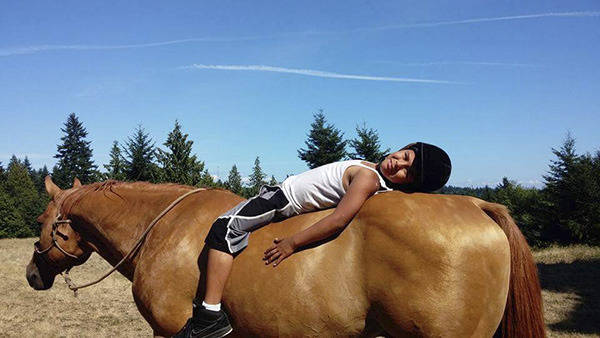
(407,265)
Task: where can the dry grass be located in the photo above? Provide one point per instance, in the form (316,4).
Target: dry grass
(569,277)
(104,310)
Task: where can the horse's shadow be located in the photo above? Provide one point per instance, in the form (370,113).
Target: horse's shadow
(580,278)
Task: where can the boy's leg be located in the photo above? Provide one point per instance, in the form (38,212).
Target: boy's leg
(227,237)
(218,268)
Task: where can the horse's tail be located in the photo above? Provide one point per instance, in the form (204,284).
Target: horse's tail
(523,315)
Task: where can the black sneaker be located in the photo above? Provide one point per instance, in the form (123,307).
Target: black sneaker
(205,324)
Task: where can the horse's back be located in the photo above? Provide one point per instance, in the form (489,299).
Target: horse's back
(436,265)
(422,264)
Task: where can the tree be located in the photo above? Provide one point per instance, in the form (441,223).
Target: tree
(139,157)
(256,178)
(178,163)
(366,145)
(324,143)
(206,180)
(115,169)
(24,195)
(74,155)
(11,221)
(38,177)
(234,180)
(560,193)
(273,181)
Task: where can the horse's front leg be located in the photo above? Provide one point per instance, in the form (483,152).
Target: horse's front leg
(165,304)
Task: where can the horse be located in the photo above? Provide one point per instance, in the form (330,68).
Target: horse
(407,265)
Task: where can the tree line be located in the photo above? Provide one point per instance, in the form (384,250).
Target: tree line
(565,210)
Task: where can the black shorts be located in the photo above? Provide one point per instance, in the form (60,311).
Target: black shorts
(229,233)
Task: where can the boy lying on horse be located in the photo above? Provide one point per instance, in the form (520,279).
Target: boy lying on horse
(345,185)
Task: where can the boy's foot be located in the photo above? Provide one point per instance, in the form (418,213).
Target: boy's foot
(206,324)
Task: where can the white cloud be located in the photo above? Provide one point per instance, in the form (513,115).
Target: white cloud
(312,72)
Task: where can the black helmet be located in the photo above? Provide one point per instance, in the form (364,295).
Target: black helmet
(431,169)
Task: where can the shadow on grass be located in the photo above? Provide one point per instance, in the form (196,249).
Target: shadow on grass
(581,278)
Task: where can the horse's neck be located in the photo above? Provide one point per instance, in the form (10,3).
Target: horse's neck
(112,223)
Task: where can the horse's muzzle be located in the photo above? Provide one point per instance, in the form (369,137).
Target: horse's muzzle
(38,279)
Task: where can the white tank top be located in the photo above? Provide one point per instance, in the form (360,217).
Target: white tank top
(322,187)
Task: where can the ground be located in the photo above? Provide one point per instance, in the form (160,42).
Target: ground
(569,277)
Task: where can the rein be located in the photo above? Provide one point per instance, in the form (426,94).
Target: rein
(72,286)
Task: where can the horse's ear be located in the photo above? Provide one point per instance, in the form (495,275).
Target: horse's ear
(51,188)
(76,183)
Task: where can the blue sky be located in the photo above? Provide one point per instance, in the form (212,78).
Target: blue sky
(497,84)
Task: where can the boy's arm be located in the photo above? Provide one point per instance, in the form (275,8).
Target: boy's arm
(363,186)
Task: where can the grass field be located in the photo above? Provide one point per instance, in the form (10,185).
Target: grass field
(570,279)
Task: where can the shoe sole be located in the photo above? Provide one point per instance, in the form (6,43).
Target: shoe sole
(221,332)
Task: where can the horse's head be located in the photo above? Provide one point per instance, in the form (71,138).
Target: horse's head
(60,247)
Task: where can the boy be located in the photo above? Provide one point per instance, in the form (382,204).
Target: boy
(345,185)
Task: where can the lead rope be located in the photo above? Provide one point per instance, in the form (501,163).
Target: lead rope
(72,286)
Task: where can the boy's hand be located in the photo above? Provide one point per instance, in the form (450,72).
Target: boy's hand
(281,249)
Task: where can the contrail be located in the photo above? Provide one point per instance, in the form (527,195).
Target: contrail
(492,19)
(41,48)
(8,51)
(470,63)
(312,72)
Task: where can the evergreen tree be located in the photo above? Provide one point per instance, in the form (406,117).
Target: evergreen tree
(256,178)
(74,155)
(2,176)
(27,165)
(38,177)
(561,194)
(139,157)
(366,145)
(178,163)
(115,169)
(206,180)
(234,181)
(24,195)
(273,181)
(11,221)
(324,143)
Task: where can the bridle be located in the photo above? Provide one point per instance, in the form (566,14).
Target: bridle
(65,272)
(54,243)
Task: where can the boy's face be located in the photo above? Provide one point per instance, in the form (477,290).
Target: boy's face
(395,166)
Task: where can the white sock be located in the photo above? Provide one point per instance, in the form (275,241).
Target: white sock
(211,307)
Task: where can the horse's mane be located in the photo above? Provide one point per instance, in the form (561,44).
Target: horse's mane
(107,187)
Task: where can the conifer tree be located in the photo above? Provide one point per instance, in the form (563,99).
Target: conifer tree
(115,169)
(324,143)
(256,178)
(234,180)
(139,157)
(178,163)
(27,165)
(11,221)
(38,177)
(74,155)
(366,145)
(23,193)
(273,181)
(206,180)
